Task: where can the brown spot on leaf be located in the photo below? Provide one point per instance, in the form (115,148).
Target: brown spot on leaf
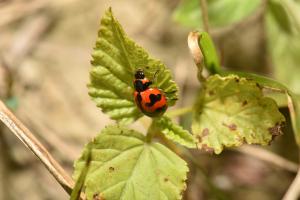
(231,127)
(205,132)
(199,138)
(276,130)
(244,103)
(166,179)
(98,197)
(111,169)
(259,86)
(211,93)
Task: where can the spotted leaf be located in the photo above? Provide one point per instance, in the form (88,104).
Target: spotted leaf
(124,166)
(231,111)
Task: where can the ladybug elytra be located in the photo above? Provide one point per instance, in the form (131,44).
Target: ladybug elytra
(151,101)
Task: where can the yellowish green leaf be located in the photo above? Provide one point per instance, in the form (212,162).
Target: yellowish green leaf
(231,111)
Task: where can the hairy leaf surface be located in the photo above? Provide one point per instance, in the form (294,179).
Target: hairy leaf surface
(175,132)
(232,111)
(123,166)
(115,60)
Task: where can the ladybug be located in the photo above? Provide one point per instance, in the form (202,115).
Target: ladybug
(151,101)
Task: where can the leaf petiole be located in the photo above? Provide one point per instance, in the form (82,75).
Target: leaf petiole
(179,111)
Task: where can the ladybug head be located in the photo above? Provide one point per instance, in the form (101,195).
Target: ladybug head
(139,74)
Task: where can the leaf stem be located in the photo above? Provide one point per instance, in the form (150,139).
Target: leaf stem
(179,111)
(32,143)
(204,11)
(75,195)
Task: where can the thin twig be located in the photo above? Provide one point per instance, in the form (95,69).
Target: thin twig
(269,157)
(8,118)
(294,190)
(204,11)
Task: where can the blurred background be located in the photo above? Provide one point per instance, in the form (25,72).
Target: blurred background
(45,48)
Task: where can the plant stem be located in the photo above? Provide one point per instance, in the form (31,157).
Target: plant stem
(204,11)
(268,157)
(31,142)
(75,195)
(179,111)
(294,190)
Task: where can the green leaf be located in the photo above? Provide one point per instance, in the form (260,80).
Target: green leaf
(115,60)
(220,12)
(280,14)
(267,82)
(231,111)
(209,52)
(293,99)
(123,166)
(285,46)
(174,132)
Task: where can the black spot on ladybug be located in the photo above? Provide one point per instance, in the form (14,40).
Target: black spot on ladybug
(153,99)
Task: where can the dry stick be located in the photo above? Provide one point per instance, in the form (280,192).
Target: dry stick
(8,118)
(294,189)
(269,157)
(203,5)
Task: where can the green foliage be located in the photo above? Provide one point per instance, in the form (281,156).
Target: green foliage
(220,12)
(209,52)
(115,60)
(124,166)
(292,98)
(231,111)
(280,14)
(174,132)
(284,43)
(283,28)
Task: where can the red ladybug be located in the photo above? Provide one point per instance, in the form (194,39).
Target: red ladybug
(151,101)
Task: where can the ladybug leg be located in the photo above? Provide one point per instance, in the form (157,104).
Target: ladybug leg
(139,100)
(146,85)
(153,99)
(155,75)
